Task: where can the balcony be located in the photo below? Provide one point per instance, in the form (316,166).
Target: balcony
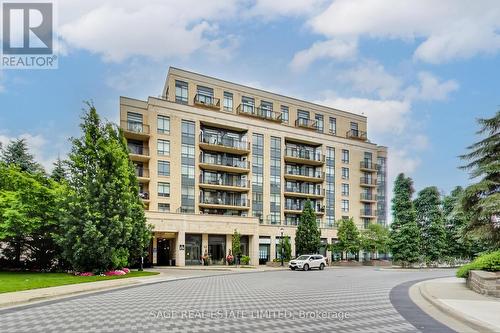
(224,184)
(368,166)
(138,153)
(297,209)
(304,192)
(368,197)
(144,196)
(302,175)
(304,156)
(226,203)
(224,145)
(135,130)
(309,124)
(142,174)
(207,101)
(371,213)
(232,165)
(368,182)
(356,135)
(258,112)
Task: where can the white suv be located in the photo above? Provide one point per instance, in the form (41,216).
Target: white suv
(307,262)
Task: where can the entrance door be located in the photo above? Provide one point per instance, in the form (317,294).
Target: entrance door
(264,250)
(217,249)
(163,248)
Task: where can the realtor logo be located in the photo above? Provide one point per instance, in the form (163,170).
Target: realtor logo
(28,35)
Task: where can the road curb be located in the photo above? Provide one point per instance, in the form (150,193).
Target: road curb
(457,315)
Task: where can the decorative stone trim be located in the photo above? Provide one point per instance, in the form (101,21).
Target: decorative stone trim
(485,283)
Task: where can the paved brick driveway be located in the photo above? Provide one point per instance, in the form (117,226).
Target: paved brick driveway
(339,300)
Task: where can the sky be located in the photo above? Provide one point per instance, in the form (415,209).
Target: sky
(421,71)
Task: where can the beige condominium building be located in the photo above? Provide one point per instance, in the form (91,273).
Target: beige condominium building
(214,156)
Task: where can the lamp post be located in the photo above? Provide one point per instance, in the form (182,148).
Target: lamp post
(281,240)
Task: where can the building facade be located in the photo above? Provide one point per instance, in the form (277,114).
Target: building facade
(213,157)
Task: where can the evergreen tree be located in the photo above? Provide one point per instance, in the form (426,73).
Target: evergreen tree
(482,199)
(59,172)
(16,153)
(375,239)
(287,248)
(236,243)
(308,235)
(404,235)
(348,237)
(104,225)
(431,225)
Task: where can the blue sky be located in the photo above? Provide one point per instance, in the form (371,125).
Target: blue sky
(422,72)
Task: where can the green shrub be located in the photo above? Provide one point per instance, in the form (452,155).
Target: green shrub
(486,262)
(245,260)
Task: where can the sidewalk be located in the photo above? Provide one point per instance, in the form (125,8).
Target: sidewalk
(452,297)
(18,298)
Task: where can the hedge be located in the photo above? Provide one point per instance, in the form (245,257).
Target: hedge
(486,262)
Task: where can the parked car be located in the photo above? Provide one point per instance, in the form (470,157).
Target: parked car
(307,262)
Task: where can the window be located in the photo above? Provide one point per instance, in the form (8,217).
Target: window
(181,92)
(345,156)
(266,109)
(163,124)
(134,122)
(333,126)
(285,116)
(163,168)
(319,122)
(228,101)
(163,147)
(354,128)
(247,104)
(345,189)
(164,207)
(345,205)
(345,173)
(163,189)
(204,95)
(301,114)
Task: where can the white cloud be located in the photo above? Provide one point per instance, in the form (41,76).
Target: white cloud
(331,49)
(157,29)
(420,142)
(449,29)
(430,88)
(272,8)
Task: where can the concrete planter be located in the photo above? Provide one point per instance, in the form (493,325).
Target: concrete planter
(384,263)
(485,283)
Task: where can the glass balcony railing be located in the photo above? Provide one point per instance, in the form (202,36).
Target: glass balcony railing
(306,123)
(207,100)
(300,207)
(142,172)
(368,196)
(135,127)
(224,141)
(224,181)
(224,161)
(138,150)
(368,212)
(368,181)
(236,201)
(356,134)
(305,190)
(259,112)
(304,154)
(368,165)
(306,173)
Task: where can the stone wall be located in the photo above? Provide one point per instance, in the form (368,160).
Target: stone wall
(485,283)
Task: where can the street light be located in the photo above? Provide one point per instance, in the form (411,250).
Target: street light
(282,230)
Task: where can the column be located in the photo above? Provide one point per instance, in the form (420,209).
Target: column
(273,248)
(229,246)
(204,244)
(253,249)
(155,250)
(180,250)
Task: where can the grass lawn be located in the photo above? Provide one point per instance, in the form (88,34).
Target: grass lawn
(16,281)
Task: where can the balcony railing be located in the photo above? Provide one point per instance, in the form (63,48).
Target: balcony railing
(225,142)
(224,181)
(368,181)
(259,112)
(135,127)
(206,100)
(144,195)
(356,134)
(305,173)
(306,123)
(304,154)
(237,202)
(368,212)
(368,196)
(300,207)
(230,162)
(142,172)
(368,165)
(305,190)
(138,150)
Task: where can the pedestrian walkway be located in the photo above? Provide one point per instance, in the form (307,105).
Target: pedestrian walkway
(451,296)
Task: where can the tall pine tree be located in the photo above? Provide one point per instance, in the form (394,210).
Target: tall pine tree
(104,227)
(430,222)
(308,235)
(16,153)
(404,235)
(481,201)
